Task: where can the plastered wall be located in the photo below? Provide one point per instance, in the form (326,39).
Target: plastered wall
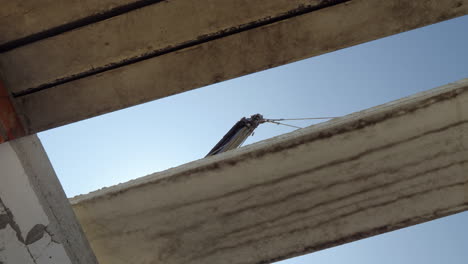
(35,222)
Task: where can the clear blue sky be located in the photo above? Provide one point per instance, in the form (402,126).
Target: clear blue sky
(137,141)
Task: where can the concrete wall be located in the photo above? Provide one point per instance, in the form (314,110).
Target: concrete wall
(37,224)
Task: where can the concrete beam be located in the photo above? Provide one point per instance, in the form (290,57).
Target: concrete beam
(143,33)
(37,223)
(135,68)
(22,22)
(371,172)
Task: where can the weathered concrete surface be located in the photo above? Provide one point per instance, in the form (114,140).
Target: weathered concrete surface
(20,19)
(385,168)
(37,224)
(253,50)
(151,30)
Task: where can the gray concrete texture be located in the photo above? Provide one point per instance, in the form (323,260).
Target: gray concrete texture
(20,19)
(150,30)
(135,34)
(37,223)
(371,172)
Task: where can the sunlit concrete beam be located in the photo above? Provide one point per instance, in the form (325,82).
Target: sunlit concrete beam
(389,167)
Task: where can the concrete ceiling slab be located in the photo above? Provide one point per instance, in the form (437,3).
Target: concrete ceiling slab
(255,49)
(134,36)
(26,21)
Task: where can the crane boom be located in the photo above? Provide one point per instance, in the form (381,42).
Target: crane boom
(245,127)
(237,134)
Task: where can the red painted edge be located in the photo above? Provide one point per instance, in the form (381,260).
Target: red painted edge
(10,124)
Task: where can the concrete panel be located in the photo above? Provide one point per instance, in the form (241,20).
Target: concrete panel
(37,224)
(371,172)
(257,49)
(142,33)
(24,19)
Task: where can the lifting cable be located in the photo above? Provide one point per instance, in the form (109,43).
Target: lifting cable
(275,121)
